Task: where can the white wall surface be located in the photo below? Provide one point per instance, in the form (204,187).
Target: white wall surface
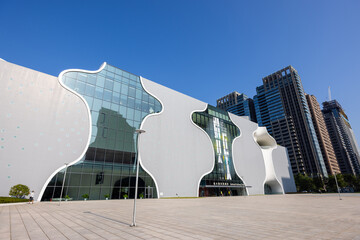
(247,156)
(174,151)
(283,169)
(267,144)
(42,126)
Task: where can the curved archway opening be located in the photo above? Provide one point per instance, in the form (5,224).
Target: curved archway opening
(272,187)
(125,188)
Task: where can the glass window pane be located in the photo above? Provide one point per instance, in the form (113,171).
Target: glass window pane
(126,74)
(98,92)
(130,114)
(106,104)
(138,94)
(137,116)
(157,106)
(133,77)
(131,102)
(89,101)
(116,97)
(123,100)
(110,68)
(117,78)
(138,104)
(145,97)
(107,95)
(72,74)
(114,107)
(132,84)
(91,79)
(122,111)
(80,87)
(110,75)
(70,82)
(145,107)
(94,115)
(82,76)
(124,89)
(90,90)
(132,92)
(118,71)
(109,84)
(125,80)
(100,81)
(151,108)
(94,128)
(117,87)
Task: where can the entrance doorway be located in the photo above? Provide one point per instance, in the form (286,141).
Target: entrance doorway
(125,188)
(220,191)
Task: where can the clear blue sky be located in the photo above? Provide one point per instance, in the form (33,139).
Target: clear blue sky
(203,48)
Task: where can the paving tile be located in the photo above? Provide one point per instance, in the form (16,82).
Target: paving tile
(252,217)
(5,223)
(17,227)
(33,229)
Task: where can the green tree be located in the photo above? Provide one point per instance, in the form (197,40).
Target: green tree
(357,184)
(350,180)
(304,183)
(19,191)
(319,184)
(331,183)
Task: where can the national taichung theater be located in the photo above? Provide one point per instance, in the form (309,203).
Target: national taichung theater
(83,123)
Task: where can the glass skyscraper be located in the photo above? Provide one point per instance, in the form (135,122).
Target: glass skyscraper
(281,106)
(342,137)
(238,104)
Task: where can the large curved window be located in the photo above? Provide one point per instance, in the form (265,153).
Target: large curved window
(118,103)
(223,180)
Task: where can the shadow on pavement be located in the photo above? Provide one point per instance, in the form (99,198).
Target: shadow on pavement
(127,224)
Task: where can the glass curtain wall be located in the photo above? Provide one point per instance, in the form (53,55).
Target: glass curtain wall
(118,103)
(222,181)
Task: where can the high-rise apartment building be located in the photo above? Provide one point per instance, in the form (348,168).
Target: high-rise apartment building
(322,134)
(281,106)
(342,137)
(238,104)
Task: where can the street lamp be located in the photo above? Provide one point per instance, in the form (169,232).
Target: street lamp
(337,186)
(62,188)
(138,131)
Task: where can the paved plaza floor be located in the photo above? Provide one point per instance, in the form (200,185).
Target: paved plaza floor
(309,216)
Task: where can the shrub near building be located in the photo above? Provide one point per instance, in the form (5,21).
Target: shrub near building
(12,200)
(19,191)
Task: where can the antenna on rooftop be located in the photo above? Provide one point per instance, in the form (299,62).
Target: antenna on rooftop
(329,93)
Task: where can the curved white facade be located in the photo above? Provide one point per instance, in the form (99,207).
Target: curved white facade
(73,161)
(45,125)
(174,150)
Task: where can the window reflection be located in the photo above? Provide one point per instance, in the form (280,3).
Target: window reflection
(223,180)
(118,104)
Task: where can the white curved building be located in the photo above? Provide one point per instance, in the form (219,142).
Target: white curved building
(87,120)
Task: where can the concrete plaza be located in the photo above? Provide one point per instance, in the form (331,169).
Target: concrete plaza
(309,216)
